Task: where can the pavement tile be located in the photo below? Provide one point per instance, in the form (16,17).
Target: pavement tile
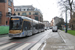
(55,42)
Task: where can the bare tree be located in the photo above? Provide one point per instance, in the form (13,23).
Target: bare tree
(68,4)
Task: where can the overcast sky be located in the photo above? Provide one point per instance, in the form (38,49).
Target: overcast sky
(49,8)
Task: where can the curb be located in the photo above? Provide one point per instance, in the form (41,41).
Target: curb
(4,34)
(38,44)
(62,37)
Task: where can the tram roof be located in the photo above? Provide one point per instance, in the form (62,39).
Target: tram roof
(24,17)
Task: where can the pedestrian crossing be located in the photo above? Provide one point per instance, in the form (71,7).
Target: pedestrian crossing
(7,45)
(23,46)
(36,46)
(12,44)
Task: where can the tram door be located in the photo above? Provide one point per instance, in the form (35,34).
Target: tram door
(27,28)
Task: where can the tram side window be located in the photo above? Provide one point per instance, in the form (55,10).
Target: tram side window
(37,26)
(41,26)
(26,25)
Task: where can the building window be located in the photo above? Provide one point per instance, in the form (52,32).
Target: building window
(29,13)
(16,9)
(27,9)
(23,14)
(0,14)
(6,22)
(9,10)
(36,13)
(0,20)
(24,9)
(18,13)
(36,18)
(20,9)
(3,1)
(29,16)
(9,2)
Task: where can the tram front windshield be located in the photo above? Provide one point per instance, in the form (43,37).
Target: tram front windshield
(15,24)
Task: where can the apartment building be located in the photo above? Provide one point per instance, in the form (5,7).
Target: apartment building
(29,11)
(56,20)
(6,6)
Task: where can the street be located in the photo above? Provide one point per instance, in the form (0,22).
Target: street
(25,43)
(51,40)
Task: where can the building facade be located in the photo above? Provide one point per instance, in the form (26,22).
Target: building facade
(52,21)
(29,11)
(5,7)
(56,20)
(47,24)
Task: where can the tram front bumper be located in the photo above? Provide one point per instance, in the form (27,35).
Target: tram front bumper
(14,35)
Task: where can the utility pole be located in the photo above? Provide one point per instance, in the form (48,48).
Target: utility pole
(66,20)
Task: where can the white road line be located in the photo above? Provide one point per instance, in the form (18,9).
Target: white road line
(36,46)
(23,46)
(4,37)
(1,47)
(62,37)
(1,43)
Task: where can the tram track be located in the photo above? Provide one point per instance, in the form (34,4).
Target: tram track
(21,41)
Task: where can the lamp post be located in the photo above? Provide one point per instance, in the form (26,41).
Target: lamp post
(66,20)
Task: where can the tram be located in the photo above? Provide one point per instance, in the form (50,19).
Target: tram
(21,26)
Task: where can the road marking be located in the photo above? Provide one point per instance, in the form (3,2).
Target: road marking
(1,43)
(1,47)
(62,37)
(23,46)
(4,37)
(36,46)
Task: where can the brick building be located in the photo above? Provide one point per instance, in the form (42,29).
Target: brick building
(29,11)
(5,7)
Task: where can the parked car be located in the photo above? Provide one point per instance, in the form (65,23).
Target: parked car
(54,29)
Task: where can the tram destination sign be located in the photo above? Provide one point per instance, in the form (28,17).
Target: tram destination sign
(14,18)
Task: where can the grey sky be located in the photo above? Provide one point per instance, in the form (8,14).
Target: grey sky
(49,8)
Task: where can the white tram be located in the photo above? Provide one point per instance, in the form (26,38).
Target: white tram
(21,26)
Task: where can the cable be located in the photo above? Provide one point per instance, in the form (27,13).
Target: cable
(17,2)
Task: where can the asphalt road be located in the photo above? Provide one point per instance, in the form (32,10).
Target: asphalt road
(25,43)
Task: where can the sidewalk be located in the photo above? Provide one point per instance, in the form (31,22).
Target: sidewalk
(62,41)
(68,38)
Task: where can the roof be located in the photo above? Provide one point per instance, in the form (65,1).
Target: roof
(24,17)
(25,6)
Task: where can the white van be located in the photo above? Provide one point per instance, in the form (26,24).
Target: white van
(54,29)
